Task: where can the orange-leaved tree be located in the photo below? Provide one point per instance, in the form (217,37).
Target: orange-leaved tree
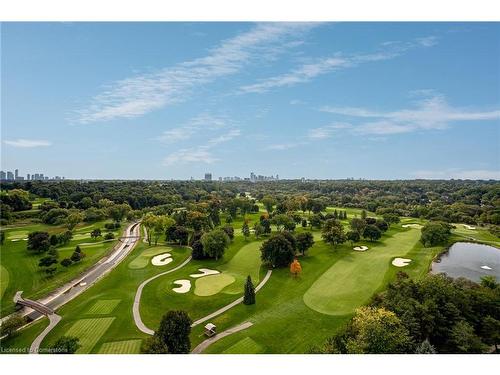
(295,267)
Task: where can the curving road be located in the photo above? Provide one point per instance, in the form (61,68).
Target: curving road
(75,287)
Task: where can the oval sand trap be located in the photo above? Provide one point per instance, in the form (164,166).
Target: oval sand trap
(360,248)
(204,272)
(185,286)
(162,259)
(401,262)
(469,227)
(415,226)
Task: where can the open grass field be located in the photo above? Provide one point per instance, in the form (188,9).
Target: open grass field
(22,268)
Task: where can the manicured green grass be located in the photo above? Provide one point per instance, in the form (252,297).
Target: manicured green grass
(103,307)
(89,331)
(283,322)
(233,273)
(480,234)
(4,280)
(144,258)
(121,347)
(352,280)
(244,346)
(22,265)
(213,284)
(119,284)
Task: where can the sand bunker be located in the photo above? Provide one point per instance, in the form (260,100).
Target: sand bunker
(162,259)
(415,226)
(470,227)
(486,268)
(401,262)
(185,286)
(360,248)
(204,272)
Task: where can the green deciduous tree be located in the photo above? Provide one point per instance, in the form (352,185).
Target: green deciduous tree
(215,243)
(174,331)
(277,251)
(305,240)
(333,232)
(66,345)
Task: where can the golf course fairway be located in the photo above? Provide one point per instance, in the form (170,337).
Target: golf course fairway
(352,280)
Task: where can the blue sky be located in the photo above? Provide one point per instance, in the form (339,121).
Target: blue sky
(175,100)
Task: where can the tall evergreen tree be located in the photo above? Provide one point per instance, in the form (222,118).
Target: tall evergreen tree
(249,297)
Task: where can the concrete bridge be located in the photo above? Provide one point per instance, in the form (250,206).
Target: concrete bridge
(42,309)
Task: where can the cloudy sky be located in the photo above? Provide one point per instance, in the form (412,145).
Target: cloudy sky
(175,100)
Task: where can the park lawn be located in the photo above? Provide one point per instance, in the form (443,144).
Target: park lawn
(22,266)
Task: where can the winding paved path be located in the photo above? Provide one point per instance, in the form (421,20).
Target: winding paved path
(137,300)
(232,304)
(203,345)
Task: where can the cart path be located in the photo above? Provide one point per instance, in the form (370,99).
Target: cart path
(234,303)
(137,300)
(201,347)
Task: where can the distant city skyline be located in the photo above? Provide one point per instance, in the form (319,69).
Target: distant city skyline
(16,176)
(314,100)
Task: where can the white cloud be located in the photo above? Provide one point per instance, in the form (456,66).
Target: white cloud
(327,131)
(202,123)
(459,174)
(325,65)
(432,112)
(284,146)
(141,94)
(201,153)
(28,143)
(190,155)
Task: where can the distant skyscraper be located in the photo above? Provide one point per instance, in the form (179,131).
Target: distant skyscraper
(10,175)
(3,175)
(208,176)
(16,174)
(28,176)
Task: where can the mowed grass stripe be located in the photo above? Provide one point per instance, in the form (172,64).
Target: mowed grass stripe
(121,347)
(352,280)
(103,306)
(89,331)
(244,346)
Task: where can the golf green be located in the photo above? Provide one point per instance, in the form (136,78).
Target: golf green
(143,259)
(352,280)
(233,273)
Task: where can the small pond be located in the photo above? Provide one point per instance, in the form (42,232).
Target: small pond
(469,260)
